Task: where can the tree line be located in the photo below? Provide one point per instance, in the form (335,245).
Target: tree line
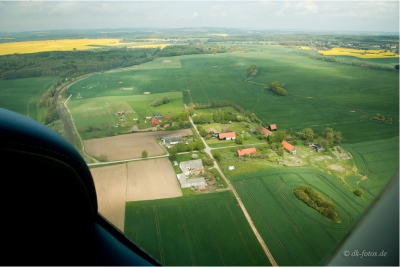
(353,62)
(77,63)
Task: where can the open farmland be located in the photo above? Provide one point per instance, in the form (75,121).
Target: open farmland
(320,94)
(204,230)
(147,182)
(96,117)
(129,146)
(378,162)
(57,45)
(340,51)
(110,183)
(21,95)
(295,233)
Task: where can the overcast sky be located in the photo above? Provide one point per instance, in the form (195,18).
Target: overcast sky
(378,16)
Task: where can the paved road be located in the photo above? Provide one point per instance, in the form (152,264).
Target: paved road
(246,214)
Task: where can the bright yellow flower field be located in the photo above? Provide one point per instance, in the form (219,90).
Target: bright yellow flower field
(66,45)
(337,51)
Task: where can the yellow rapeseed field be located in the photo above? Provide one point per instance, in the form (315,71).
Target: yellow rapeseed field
(219,34)
(337,51)
(305,47)
(57,45)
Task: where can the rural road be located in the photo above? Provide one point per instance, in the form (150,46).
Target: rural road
(246,214)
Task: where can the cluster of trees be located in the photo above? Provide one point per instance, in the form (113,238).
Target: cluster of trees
(277,88)
(353,62)
(182,147)
(48,100)
(71,63)
(332,137)
(307,135)
(253,70)
(177,121)
(179,50)
(159,101)
(380,117)
(316,201)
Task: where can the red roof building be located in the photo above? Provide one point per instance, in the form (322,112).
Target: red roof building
(247,151)
(289,147)
(227,136)
(265,131)
(272,127)
(154,121)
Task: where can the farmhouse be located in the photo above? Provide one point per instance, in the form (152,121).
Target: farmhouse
(266,132)
(272,127)
(246,151)
(172,140)
(227,136)
(189,182)
(191,167)
(158,116)
(289,147)
(154,121)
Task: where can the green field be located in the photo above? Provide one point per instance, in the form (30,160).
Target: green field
(295,233)
(320,94)
(204,230)
(21,95)
(100,112)
(378,161)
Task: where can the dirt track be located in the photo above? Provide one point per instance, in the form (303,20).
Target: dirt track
(151,179)
(129,146)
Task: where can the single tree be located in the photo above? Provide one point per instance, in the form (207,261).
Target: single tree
(144,154)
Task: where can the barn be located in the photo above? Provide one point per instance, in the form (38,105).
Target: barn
(189,182)
(289,147)
(172,140)
(227,136)
(272,127)
(246,151)
(191,166)
(266,132)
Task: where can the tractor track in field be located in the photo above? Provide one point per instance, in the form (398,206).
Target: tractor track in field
(351,220)
(268,223)
(192,257)
(241,234)
(158,231)
(291,220)
(329,183)
(215,241)
(322,226)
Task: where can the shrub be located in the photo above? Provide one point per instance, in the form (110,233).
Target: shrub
(358,192)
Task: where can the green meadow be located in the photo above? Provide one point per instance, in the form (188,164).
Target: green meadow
(378,162)
(204,230)
(21,95)
(320,94)
(100,112)
(295,233)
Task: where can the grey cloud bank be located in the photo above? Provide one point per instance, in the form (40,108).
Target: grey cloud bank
(380,16)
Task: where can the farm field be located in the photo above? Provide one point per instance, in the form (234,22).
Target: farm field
(111,187)
(295,233)
(21,95)
(340,51)
(204,230)
(129,146)
(320,94)
(99,113)
(378,162)
(146,181)
(68,45)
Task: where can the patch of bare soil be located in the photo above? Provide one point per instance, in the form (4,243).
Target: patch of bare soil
(151,179)
(110,183)
(341,153)
(336,167)
(129,146)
